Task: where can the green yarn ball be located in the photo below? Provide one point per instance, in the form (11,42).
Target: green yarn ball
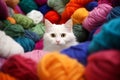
(27,5)
(58,5)
(80,33)
(13,30)
(39,29)
(23,20)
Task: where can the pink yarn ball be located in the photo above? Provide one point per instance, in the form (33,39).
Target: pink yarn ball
(35,55)
(41,2)
(39,44)
(96,17)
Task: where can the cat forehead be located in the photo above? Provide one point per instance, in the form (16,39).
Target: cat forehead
(58,27)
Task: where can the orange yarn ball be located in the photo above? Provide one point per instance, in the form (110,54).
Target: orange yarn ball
(79,15)
(11,19)
(71,7)
(56,66)
(52,16)
(12,3)
(4,76)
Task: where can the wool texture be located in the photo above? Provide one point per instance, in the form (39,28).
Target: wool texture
(70,7)
(79,15)
(36,16)
(78,52)
(38,29)
(26,43)
(58,5)
(103,65)
(91,5)
(21,68)
(96,17)
(28,5)
(52,16)
(107,38)
(80,33)
(12,3)
(56,66)
(23,20)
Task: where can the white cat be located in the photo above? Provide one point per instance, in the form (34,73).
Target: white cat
(58,37)
(8,46)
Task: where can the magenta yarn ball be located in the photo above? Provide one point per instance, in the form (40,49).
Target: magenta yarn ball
(96,17)
(39,45)
(41,2)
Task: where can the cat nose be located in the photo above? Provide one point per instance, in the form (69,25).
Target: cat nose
(57,41)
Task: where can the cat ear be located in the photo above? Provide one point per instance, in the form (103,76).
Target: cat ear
(48,24)
(69,25)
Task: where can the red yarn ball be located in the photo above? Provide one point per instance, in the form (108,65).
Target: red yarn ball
(103,65)
(52,16)
(20,68)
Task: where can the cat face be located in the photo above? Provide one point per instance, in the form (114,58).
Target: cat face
(58,34)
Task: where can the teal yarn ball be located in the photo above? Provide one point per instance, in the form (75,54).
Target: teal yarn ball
(23,20)
(27,5)
(39,29)
(26,43)
(58,5)
(13,30)
(107,38)
(80,33)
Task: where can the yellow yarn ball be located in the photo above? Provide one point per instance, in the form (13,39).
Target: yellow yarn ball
(79,15)
(56,66)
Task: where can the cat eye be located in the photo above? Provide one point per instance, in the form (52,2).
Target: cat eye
(63,35)
(53,35)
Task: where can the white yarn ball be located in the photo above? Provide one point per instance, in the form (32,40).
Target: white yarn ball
(36,16)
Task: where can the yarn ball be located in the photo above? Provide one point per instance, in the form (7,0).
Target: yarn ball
(70,7)
(39,44)
(103,65)
(107,38)
(79,15)
(11,20)
(23,20)
(114,13)
(41,2)
(78,52)
(26,43)
(44,9)
(28,5)
(32,35)
(20,68)
(4,76)
(10,11)
(105,2)
(96,17)
(38,29)
(80,33)
(36,16)
(56,66)
(17,10)
(3,10)
(35,55)
(58,5)
(14,30)
(52,16)
(90,6)
(2,61)
(12,3)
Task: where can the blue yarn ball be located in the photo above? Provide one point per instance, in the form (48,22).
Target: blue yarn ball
(32,35)
(114,13)
(26,43)
(90,6)
(44,9)
(79,52)
(107,38)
